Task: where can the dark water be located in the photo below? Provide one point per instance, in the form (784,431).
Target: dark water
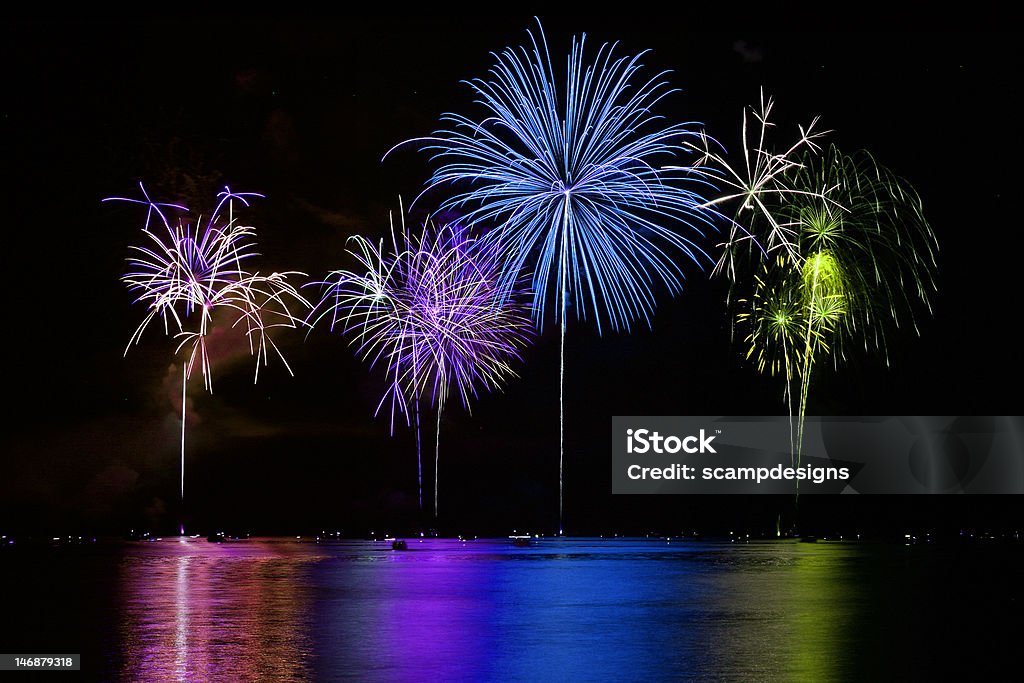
(279,610)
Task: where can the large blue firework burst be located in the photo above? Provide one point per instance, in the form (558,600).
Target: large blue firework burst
(574,181)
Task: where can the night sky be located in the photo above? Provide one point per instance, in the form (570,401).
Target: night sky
(303,111)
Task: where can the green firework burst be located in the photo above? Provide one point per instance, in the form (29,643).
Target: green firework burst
(859,263)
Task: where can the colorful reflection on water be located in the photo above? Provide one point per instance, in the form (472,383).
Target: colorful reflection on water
(286,611)
(280,610)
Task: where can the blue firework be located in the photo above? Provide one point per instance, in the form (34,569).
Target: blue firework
(575,184)
(573,180)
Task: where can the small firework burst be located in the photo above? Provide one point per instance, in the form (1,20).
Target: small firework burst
(428,308)
(185,272)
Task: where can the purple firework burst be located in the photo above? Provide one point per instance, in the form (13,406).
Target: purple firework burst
(428,308)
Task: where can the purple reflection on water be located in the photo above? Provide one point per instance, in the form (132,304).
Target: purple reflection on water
(413,615)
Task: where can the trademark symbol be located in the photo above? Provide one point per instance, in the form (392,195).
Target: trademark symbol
(718,431)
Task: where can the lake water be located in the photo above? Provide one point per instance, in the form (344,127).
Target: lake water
(580,609)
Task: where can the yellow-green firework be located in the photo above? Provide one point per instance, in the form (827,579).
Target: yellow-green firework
(860,263)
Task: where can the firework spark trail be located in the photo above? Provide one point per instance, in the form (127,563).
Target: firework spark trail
(575,187)
(758,185)
(757,188)
(183,269)
(430,311)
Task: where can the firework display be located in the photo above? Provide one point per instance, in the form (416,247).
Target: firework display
(567,195)
(570,174)
(831,251)
(186,272)
(427,308)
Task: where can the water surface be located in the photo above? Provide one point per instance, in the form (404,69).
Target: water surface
(581,609)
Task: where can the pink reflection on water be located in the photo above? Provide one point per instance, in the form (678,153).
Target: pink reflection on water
(181,619)
(199,611)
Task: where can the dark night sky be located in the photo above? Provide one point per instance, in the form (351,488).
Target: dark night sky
(303,111)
